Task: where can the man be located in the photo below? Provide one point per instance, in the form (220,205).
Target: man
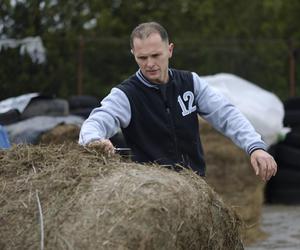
(157,110)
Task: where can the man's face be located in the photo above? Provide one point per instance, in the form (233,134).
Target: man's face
(152,55)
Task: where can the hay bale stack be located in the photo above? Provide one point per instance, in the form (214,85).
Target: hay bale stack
(230,174)
(89,201)
(63,133)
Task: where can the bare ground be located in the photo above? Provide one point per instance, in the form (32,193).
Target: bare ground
(282,224)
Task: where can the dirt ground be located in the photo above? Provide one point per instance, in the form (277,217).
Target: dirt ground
(282,223)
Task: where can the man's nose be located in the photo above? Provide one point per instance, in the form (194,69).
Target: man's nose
(150,62)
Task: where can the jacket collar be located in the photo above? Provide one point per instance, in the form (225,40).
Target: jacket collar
(146,82)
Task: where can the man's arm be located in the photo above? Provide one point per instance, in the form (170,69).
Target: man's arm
(228,120)
(105,121)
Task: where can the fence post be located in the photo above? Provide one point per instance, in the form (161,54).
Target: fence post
(80,67)
(292,69)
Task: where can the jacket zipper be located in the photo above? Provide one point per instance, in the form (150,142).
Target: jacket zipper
(172,125)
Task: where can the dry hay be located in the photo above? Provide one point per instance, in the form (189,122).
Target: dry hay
(230,174)
(89,201)
(60,134)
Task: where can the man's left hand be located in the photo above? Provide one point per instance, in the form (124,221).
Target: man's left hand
(263,164)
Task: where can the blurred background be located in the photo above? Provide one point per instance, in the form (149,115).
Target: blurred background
(67,55)
(82,47)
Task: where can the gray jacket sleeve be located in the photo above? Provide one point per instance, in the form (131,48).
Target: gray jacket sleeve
(225,117)
(106,120)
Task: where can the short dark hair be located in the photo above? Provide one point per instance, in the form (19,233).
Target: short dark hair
(144,30)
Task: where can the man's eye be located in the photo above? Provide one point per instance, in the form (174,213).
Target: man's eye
(142,58)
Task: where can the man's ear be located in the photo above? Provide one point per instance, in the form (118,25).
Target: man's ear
(171,47)
(131,52)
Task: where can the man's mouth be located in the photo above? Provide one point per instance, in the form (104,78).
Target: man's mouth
(152,71)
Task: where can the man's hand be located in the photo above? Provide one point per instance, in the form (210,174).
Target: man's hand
(102,145)
(263,164)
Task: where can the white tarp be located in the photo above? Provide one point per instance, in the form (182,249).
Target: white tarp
(19,102)
(31,45)
(262,108)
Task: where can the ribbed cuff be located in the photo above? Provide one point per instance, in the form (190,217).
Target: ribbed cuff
(257,146)
(255,150)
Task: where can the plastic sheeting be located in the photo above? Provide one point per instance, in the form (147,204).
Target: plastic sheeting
(33,46)
(4,142)
(262,108)
(29,131)
(19,102)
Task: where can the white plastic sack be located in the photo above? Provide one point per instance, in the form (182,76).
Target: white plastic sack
(33,46)
(262,108)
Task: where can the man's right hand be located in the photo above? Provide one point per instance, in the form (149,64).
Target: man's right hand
(102,145)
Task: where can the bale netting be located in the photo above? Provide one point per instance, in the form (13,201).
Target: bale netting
(230,174)
(66,197)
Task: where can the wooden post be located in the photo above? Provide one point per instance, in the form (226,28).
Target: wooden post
(292,66)
(80,67)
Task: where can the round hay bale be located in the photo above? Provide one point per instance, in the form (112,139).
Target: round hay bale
(60,134)
(230,174)
(64,197)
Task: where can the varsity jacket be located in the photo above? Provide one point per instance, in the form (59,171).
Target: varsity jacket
(164,124)
(160,122)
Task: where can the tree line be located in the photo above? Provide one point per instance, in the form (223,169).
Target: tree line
(87,42)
